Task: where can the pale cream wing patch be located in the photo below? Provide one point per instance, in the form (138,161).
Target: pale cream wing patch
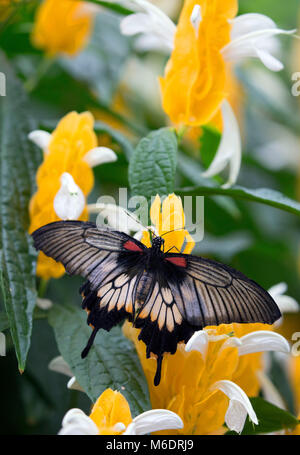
(119,293)
(160,307)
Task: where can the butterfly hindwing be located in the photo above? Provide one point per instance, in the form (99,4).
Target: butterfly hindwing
(161,323)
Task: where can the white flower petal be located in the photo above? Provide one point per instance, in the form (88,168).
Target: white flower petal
(130,430)
(119,427)
(261,341)
(100,155)
(277,289)
(232,342)
(150,21)
(270,393)
(74,385)
(78,430)
(132,5)
(150,42)
(41,139)
(239,405)
(69,201)
(213,336)
(44,304)
(254,35)
(73,415)
(139,234)
(247,23)
(198,342)
(235,416)
(88,9)
(136,23)
(116,217)
(154,420)
(76,422)
(2,345)
(268,60)
(230,148)
(59,365)
(285,303)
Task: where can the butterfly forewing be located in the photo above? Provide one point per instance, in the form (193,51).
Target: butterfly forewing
(84,249)
(211,294)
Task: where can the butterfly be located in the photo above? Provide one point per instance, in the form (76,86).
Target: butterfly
(168,296)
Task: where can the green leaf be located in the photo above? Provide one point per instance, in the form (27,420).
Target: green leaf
(4,324)
(262,195)
(209,143)
(113,6)
(19,160)
(112,361)
(116,137)
(153,164)
(270,419)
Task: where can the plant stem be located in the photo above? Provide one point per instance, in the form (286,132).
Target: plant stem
(34,80)
(42,288)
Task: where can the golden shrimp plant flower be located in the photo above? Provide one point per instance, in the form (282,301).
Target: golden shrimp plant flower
(208,39)
(168,220)
(62,27)
(65,177)
(111,416)
(207,381)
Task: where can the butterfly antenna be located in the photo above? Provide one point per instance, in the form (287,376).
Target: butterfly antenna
(89,344)
(173,230)
(179,229)
(135,218)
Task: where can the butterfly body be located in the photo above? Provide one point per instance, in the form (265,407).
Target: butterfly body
(168,296)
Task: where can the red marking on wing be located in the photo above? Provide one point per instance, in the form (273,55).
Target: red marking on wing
(177,260)
(131,246)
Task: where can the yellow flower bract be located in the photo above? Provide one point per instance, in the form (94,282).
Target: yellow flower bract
(187,378)
(71,140)
(169,220)
(194,84)
(62,27)
(110,409)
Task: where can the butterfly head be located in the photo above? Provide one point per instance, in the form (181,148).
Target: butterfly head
(157,244)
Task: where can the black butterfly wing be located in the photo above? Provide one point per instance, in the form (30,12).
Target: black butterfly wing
(211,293)
(112,262)
(187,293)
(84,249)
